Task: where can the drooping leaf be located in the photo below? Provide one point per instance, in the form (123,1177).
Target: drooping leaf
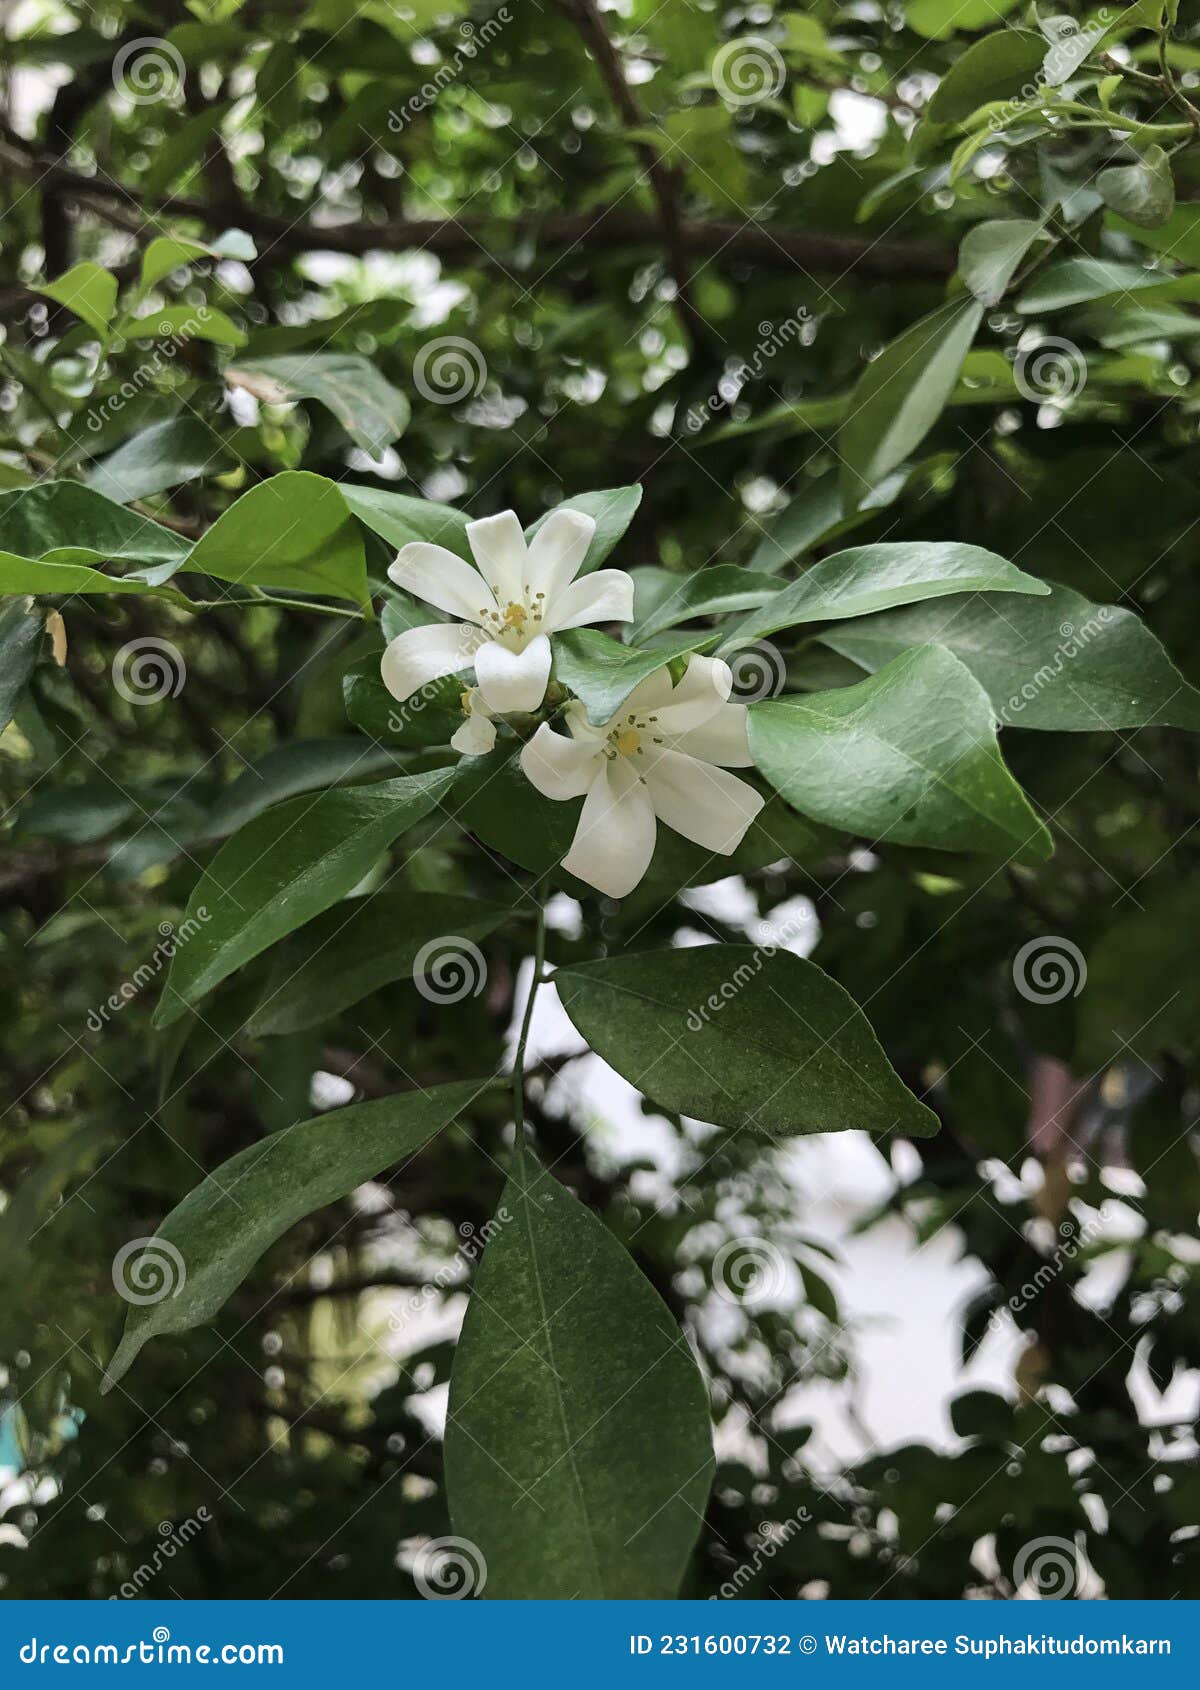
(611,508)
(603,672)
(1060,662)
(908,757)
(364,943)
(578,1447)
(52,534)
(1144,192)
(866,578)
(819,514)
(206,1247)
(742,1036)
(901,394)
(292,531)
(995,68)
(284,867)
(991,253)
(161,456)
(372,411)
(287,770)
(20,641)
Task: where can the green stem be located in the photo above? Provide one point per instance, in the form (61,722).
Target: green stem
(518,1075)
(259,597)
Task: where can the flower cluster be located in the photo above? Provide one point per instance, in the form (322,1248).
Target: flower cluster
(664,756)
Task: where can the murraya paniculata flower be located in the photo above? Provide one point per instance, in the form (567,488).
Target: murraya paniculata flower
(663,757)
(506,609)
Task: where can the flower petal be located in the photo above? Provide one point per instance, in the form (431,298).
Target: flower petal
(432,573)
(476,737)
(706,805)
(557,551)
(513,680)
(722,739)
(560,768)
(420,655)
(605,596)
(704,689)
(614,841)
(498,546)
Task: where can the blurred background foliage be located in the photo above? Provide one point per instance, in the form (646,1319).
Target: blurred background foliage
(522,252)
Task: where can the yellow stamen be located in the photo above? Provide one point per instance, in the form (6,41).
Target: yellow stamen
(515,616)
(628,742)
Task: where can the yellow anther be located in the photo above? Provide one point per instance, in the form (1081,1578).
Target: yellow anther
(628,742)
(515,616)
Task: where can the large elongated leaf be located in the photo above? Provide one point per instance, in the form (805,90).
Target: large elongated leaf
(710,592)
(1060,662)
(868,578)
(1076,280)
(612,509)
(205,1248)
(991,252)
(65,522)
(20,639)
(368,942)
(742,1036)
(908,756)
(372,411)
(292,531)
(398,518)
(163,455)
(603,672)
(283,868)
(900,396)
(818,514)
(992,69)
(578,1443)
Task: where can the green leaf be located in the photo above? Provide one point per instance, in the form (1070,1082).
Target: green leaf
(742,1036)
(398,518)
(938,20)
(900,395)
(20,642)
(982,1414)
(908,757)
(867,578)
(1144,192)
(364,943)
(611,508)
(1060,663)
(1178,238)
(292,531)
(603,672)
(207,1245)
(283,868)
(429,717)
(1076,280)
(184,150)
(710,592)
(818,514)
(372,411)
(165,254)
(161,456)
(51,535)
(1142,995)
(995,68)
(287,770)
(88,291)
(183,322)
(991,253)
(578,1443)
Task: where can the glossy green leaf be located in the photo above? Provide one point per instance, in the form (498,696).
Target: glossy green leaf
(1074,281)
(603,672)
(1144,192)
(867,578)
(901,394)
(908,757)
(87,290)
(611,508)
(52,534)
(742,1036)
(20,642)
(165,455)
(207,1245)
(283,868)
(399,519)
(292,531)
(578,1443)
(1060,663)
(996,68)
(368,942)
(991,254)
(710,592)
(816,515)
(938,20)
(183,322)
(428,716)
(287,770)
(372,411)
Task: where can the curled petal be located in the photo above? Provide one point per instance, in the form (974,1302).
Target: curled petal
(605,596)
(706,805)
(420,655)
(722,739)
(560,768)
(476,737)
(557,551)
(498,546)
(702,692)
(614,841)
(435,575)
(513,680)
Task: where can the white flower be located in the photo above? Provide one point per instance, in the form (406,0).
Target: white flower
(663,756)
(477,735)
(518,595)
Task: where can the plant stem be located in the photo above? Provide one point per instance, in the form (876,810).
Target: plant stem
(518,1075)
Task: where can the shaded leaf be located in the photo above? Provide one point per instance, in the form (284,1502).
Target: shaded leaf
(292,531)
(372,411)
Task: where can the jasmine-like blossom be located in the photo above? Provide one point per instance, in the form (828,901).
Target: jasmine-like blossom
(507,608)
(663,757)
